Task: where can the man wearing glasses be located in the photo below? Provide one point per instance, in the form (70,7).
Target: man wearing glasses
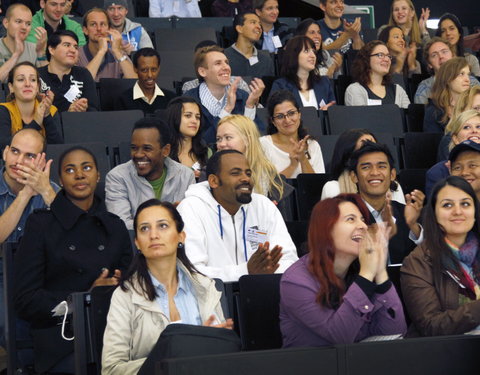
(435,53)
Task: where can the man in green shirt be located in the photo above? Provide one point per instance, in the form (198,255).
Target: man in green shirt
(52,17)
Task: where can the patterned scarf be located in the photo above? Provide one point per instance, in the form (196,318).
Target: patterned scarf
(469,273)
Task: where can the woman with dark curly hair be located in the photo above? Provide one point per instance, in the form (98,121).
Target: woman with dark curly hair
(450,29)
(371,73)
(299,75)
(184,115)
(288,146)
(327,65)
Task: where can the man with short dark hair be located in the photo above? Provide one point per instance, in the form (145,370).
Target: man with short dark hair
(150,173)
(73,86)
(371,168)
(218,97)
(134,35)
(337,32)
(145,94)
(229,229)
(14,48)
(465,162)
(52,17)
(435,53)
(275,34)
(103,55)
(243,56)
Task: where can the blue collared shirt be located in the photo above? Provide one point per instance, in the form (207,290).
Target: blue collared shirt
(185,299)
(268,41)
(6,199)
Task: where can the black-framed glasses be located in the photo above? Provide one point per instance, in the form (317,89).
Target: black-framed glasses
(282,116)
(382,55)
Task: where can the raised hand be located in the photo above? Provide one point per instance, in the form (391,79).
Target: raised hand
(422,21)
(256,89)
(41,37)
(103,279)
(232,96)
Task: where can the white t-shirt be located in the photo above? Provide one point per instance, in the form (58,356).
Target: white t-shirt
(281,160)
(312,99)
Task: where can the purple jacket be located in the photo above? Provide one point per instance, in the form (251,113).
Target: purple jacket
(304,322)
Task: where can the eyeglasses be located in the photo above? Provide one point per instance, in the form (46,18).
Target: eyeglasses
(282,116)
(382,55)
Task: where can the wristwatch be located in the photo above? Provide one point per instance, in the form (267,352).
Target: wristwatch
(123,58)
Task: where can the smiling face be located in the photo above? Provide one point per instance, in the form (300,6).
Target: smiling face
(251,28)
(79,177)
(229,138)
(19,23)
(66,52)
(380,66)
(190,120)
(461,82)
(307,59)
(333,9)
(147,153)
(216,70)
(470,130)
(313,32)
(373,175)
(117,15)
(455,213)
(269,13)
(25,83)
(291,118)
(156,234)
(402,13)
(467,165)
(449,31)
(396,41)
(349,230)
(147,70)
(54,10)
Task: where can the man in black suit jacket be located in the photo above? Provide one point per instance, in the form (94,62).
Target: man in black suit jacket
(371,168)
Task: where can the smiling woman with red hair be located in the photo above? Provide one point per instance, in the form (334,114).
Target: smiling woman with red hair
(339,292)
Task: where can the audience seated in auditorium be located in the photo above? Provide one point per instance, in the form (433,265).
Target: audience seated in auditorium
(327,65)
(466,126)
(73,86)
(403,15)
(133,34)
(70,247)
(220,98)
(150,173)
(275,34)
(465,162)
(436,52)
(340,293)
(184,116)
(404,58)
(24,187)
(372,76)
(288,146)
(103,55)
(450,29)
(300,77)
(180,8)
(348,142)
(161,287)
(237,132)
(230,8)
(451,81)
(440,278)
(13,46)
(339,33)
(244,58)
(195,82)
(52,18)
(145,94)
(231,231)
(372,170)
(23,109)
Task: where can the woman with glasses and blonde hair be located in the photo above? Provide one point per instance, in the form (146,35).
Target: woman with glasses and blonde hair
(288,146)
(371,73)
(237,132)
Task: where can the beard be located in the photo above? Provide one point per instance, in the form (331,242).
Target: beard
(244,198)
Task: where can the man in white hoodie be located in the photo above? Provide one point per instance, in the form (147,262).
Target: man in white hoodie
(229,229)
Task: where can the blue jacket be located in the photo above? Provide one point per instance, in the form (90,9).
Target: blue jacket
(436,173)
(210,122)
(322,88)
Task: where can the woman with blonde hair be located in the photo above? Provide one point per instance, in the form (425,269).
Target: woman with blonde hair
(466,126)
(237,132)
(403,15)
(452,79)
